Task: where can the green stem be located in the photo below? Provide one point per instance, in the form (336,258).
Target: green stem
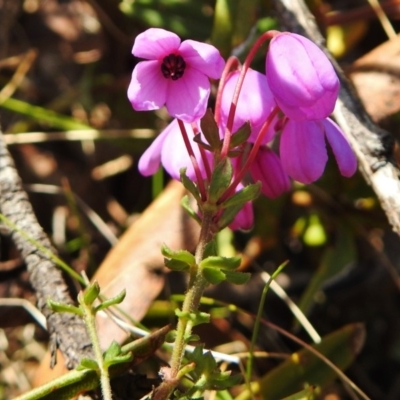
(90,321)
(197,284)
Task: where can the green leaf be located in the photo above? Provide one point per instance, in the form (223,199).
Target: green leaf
(179,255)
(248,193)
(228,215)
(240,136)
(220,179)
(176,265)
(88,363)
(229,263)
(196,317)
(91,293)
(185,203)
(210,131)
(113,351)
(304,367)
(126,358)
(111,302)
(64,308)
(189,185)
(238,278)
(213,275)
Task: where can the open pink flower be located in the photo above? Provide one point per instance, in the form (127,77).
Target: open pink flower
(176,74)
(301,77)
(303,150)
(168,149)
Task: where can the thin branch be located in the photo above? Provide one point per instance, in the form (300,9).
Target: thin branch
(67,331)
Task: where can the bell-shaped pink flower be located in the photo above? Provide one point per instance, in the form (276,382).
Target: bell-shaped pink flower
(301,77)
(255,102)
(303,151)
(169,149)
(267,169)
(175,75)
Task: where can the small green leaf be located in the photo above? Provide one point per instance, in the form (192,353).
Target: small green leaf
(91,293)
(228,216)
(213,275)
(118,360)
(63,308)
(185,203)
(210,130)
(189,185)
(87,363)
(229,263)
(248,193)
(179,255)
(196,317)
(111,302)
(192,338)
(238,278)
(220,179)
(113,351)
(240,136)
(176,265)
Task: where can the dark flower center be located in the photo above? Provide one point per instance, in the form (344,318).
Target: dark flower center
(173,66)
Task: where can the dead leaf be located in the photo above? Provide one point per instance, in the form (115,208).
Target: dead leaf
(376,77)
(136,264)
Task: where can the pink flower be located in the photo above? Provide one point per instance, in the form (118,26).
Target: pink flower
(301,77)
(176,74)
(169,149)
(303,150)
(267,169)
(255,102)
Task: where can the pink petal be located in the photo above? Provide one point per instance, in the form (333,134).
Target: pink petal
(344,155)
(244,219)
(300,75)
(203,57)
(268,135)
(255,100)
(149,162)
(148,88)
(155,43)
(174,155)
(267,169)
(187,97)
(302,150)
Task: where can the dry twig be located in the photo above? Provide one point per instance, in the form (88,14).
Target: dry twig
(67,331)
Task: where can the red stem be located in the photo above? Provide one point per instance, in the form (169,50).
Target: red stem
(228,131)
(250,158)
(200,182)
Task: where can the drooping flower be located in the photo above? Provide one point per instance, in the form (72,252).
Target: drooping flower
(303,150)
(175,74)
(301,77)
(267,169)
(255,102)
(169,149)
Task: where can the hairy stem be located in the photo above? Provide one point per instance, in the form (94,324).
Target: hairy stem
(89,317)
(197,284)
